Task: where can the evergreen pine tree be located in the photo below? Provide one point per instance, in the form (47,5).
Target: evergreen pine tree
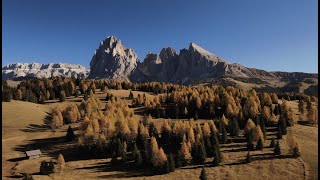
(130,95)
(250,145)
(70,134)
(296,152)
(138,158)
(203,175)
(235,128)
(282,124)
(6,95)
(153,132)
(216,159)
(134,151)
(77,93)
(224,136)
(219,154)
(85,96)
(259,144)
(272,143)
(277,149)
(208,147)
(114,159)
(279,133)
(178,160)
(199,153)
(196,116)
(248,158)
(171,163)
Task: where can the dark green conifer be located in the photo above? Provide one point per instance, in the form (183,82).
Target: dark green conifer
(171,163)
(272,143)
(216,158)
(248,158)
(203,175)
(259,144)
(277,149)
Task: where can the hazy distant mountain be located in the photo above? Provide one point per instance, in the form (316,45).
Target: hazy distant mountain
(30,70)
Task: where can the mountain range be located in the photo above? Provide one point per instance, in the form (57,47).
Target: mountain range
(38,70)
(195,65)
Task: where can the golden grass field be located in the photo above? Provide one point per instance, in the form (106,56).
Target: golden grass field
(22,126)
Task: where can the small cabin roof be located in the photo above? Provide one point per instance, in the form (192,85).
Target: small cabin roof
(33,152)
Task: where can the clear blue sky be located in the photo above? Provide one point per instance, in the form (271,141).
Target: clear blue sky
(271,35)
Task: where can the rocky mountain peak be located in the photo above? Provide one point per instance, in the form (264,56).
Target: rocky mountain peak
(112,60)
(167,54)
(152,58)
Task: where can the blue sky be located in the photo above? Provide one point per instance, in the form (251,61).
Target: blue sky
(272,35)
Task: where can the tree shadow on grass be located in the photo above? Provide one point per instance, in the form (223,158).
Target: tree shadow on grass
(235,150)
(40,128)
(74,100)
(140,111)
(17,159)
(15,176)
(123,170)
(233,145)
(52,147)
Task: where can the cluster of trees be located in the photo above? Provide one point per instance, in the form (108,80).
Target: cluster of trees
(116,133)
(290,96)
(306,107)
(155,87)
(41,90)
(74,113)
(213,102)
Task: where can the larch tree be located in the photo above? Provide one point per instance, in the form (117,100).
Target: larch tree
(60,162)
(62,96)
(301,107)
(206,130)
(266,113)
(185,154)
(313,116)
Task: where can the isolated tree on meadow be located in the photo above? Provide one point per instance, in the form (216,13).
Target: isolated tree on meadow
(130,95)
(61,163)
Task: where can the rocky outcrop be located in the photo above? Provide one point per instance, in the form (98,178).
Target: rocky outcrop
(37,70)
(197,64)
(112,60)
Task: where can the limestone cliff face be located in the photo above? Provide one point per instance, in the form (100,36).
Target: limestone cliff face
(112,60)
(197,64)
(38,70)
